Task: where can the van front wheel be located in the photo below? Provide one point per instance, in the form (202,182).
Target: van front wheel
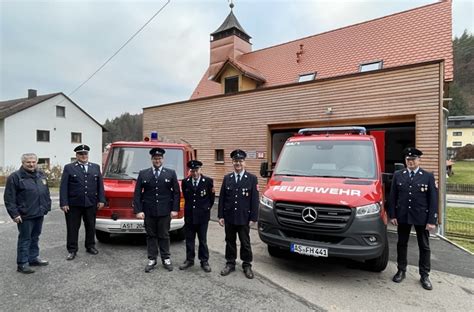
(380,263)
(102,237)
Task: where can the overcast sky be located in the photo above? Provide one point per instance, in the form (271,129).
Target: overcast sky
(53,46)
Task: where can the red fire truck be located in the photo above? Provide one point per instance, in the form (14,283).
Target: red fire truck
(325,197)
(123,163)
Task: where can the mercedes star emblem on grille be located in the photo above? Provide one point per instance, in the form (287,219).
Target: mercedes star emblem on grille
(309,215)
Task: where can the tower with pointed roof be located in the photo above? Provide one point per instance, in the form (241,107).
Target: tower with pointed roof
(229,41)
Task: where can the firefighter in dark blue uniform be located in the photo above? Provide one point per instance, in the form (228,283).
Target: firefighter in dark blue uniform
(413,201)
(27,201)
(199,195)
(237,211)
(80,195)
(156,200)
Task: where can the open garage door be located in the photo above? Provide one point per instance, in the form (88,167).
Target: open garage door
(397,136)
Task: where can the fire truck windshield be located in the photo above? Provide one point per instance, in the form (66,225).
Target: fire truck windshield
(124,163)
(343,159)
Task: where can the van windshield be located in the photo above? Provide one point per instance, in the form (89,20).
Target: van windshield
(124,163)
(344,159)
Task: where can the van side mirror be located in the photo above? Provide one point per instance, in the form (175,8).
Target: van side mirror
(399,166)
(264,172)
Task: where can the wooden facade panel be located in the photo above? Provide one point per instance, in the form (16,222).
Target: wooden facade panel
(243,120)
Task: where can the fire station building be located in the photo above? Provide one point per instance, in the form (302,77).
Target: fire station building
(389,75)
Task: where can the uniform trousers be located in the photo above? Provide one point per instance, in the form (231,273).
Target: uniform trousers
(190,231)
(231,232)
(422,235)
(157,235)
(73,224)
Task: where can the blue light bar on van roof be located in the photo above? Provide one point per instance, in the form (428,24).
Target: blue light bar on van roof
(154,136)
(333,130)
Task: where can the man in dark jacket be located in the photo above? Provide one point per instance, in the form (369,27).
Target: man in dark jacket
(27,201)
(238,209)
(199,195)
(81,193)
(413,201)
(156,200)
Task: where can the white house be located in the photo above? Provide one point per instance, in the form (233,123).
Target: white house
(49,125)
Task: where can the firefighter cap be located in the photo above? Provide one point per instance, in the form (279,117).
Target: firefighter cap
(194,164)
(412,152)
(82,148)
(238,154)
(157,151)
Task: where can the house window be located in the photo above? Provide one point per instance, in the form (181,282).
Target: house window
(231,84)
(43,163)
(42,135)
(370,66)
(457,143)
(219,156)
(307,77)
(76,137)
(457,133)
(60,111)
(73,159)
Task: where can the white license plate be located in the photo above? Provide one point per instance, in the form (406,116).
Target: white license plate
(131,226)
(309,251)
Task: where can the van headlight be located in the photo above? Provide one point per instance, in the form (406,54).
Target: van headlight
(368,210)
(267,202)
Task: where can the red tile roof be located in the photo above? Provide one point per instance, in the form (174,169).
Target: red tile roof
(410,37)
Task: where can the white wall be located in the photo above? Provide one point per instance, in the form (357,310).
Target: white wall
(20,133)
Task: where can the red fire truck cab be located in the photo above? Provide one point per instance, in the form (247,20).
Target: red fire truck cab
(324,197)
(123,163)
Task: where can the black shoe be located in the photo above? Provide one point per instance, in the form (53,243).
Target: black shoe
(71,256)
(206,267)
(425,283)
(92,251)
(167,264)
(39,262)
(227,269)
(400,276)
(248,272)
(150,266)
(25,269)
(186,264)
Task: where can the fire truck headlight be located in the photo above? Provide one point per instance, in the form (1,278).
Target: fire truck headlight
(267,202)
(368,210)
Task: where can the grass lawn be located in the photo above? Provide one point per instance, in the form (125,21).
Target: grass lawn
(463,173)
(464,229)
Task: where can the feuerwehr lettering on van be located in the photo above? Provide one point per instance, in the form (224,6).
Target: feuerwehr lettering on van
(315,189)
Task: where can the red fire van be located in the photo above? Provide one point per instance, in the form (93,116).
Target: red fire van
(324,197)
(123,163)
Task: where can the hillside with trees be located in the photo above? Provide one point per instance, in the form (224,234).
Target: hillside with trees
(462,89)
(124,128)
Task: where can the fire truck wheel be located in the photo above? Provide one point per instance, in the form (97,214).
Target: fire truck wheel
(102,237)
(276,252)
(380,263)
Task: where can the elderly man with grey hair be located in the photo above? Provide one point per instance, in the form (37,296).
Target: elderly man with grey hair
(27,201)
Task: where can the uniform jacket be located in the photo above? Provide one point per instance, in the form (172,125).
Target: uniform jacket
(413,201)
(156,197)
(79,188)
(238,203)
(199,200)
(27,194)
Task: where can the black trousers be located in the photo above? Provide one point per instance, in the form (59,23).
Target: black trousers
(231,232)
(422,235)
(157,235)
(73,224)
(201,230)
